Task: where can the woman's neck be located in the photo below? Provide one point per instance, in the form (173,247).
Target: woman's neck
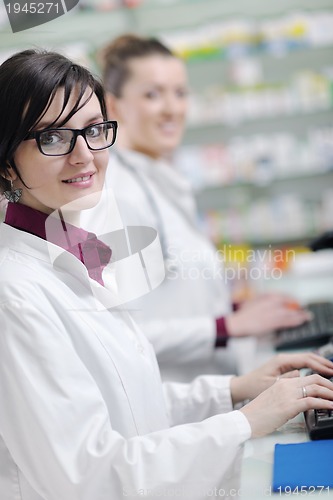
(124,144)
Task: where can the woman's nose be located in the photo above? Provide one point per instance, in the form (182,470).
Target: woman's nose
(173,104)
(81,153)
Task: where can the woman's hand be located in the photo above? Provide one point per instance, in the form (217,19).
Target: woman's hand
(264,314)
(285,399)
(283,365)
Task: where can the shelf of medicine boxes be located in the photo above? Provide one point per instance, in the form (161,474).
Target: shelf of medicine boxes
(211,80)
(94,28)
(308,186)
(296,124)
(215,197)
(151,17)
(268,213)
(155,16)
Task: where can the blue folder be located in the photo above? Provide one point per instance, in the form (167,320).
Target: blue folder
(307,464)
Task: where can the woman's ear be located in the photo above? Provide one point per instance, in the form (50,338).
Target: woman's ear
(9,173)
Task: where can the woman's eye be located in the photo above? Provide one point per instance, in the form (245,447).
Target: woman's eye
(182,93)
(50,138)
(155,94)
(95,130)
(152,94)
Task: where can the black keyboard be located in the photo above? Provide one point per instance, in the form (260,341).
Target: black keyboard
(319,423)
(314,333)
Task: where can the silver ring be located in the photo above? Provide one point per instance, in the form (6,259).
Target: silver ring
(304,392)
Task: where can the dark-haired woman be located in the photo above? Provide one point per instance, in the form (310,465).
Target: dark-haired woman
(83,413)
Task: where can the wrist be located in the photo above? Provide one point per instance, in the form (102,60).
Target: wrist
(234,326)
(238,389)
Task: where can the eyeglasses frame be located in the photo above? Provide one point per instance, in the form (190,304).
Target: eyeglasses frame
(76,131)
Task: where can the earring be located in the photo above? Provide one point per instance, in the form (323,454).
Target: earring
(14,194)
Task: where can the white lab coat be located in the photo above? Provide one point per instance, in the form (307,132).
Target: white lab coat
(179,316)
(83,415)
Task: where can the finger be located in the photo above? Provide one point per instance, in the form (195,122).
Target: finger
(322,369)
(320,364)
(297,316)
(317,380)
(310,360)
(318,357)
(282,298)
(293,304)
(316,391)
(290,374)
(285,317)
(311,403)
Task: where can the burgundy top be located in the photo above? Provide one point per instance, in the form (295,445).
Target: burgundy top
(92,252)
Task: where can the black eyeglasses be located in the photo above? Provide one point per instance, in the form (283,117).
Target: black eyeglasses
(61,141)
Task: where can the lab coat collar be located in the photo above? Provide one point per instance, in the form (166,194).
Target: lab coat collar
(124,280)
(86,247)
(40,249)
(61,261)
(164,176)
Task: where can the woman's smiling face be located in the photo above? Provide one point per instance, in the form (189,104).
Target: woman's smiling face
(151,110)
(54,181)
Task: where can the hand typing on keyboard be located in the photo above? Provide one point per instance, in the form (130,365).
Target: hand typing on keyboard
(319,422)
(281,366)
(284,393)
(266,313)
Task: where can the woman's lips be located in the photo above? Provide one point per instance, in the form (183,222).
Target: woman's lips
(84,180)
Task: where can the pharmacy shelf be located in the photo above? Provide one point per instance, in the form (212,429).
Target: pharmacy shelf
(274,68)
(288,241)
(273,240)
(156,16)
(264,184)
(297,124)
(241,193)
(151,17)
(238,202)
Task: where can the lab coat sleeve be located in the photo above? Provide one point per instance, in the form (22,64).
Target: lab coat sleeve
(181,340)
(57,428)
(206,396)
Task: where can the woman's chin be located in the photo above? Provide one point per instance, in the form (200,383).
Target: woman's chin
(83,202)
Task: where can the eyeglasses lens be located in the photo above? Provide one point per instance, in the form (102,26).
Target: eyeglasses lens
(56,142)
(60,141)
